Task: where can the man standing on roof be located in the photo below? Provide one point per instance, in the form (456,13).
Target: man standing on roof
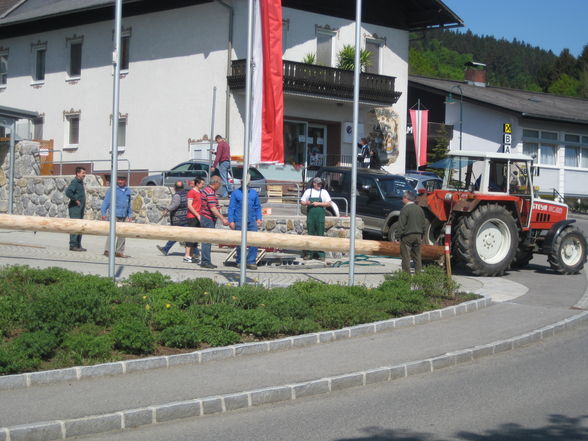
(222,161)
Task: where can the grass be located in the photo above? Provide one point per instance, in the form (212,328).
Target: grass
(54,318)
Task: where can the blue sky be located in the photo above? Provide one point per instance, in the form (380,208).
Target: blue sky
(548,24)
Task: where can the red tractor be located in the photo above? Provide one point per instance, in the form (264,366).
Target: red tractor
(497,221)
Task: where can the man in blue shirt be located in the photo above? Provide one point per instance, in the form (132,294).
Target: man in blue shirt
(123,212)
(254,220)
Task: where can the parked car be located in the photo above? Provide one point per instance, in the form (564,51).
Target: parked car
(379,196)
(422,181)
(187,171)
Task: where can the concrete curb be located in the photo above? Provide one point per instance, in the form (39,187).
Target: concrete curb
(64,429)
(79,373)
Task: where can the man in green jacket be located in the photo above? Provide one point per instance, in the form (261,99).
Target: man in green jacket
(77,202)
(411,227)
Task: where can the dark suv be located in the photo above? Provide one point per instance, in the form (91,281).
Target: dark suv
(379,196)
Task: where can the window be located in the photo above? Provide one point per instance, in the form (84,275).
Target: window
(38,128)
(572,156)
(72,129)
(74,68)
(125,46)
(122,133)
(324,47)
(541,145)
(3,68)
(374,46)
(576,150)
(39,55)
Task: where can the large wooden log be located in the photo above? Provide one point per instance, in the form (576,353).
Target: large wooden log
(208,235)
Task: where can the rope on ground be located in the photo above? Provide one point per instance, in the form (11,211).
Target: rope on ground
(360,259)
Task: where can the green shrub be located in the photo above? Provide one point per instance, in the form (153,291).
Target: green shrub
(292,326)
(133,337)
(216,336)
(13,307)
(61,307)
(38,344)
(169,318)
(180,337)
(285,305)
(86,344)
(147,281)
(180,295)
(251,296)
(14,361)
(130,311)
(340,315)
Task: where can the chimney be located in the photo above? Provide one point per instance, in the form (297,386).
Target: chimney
(475,73)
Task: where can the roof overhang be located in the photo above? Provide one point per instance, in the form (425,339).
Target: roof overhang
(9,115)
(410,15)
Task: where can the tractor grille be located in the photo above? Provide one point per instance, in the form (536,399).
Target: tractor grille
(543,217)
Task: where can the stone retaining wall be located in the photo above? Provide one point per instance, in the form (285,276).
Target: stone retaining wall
(36,195)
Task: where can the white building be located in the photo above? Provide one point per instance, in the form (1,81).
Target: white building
(56,59)
(551,128)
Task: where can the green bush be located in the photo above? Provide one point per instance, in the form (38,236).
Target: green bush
(216,336)
(14,361)
(133,337)
(130,311)
(87,344)
(147,281)
(292,326)
(169,318)
(38,344)
(180,336)
(285,305)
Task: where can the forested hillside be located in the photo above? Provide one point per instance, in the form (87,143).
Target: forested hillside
(442,54)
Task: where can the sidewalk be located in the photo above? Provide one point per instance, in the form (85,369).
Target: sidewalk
(220,380)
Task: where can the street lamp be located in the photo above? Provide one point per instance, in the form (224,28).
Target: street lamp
(451,100)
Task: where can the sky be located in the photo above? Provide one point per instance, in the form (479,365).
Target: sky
(550,25)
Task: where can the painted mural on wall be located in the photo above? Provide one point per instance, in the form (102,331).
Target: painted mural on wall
(382,129)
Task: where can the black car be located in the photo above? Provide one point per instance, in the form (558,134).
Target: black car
(379,196)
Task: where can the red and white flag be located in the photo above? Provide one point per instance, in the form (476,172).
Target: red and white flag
(420,133)
(267,107)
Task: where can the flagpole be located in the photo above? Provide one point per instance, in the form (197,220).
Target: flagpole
(247,145)
(417,149)
(357,71)
(114,145)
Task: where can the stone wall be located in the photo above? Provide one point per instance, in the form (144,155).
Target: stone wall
(36,195)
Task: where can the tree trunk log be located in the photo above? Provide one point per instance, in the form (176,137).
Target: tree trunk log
(208,235)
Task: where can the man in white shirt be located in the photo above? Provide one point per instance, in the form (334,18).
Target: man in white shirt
(315,199)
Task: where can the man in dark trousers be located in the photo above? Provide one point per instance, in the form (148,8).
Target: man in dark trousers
(222,161)
(411,227)
(77,203)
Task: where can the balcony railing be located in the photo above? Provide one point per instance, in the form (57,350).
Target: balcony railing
(328,82)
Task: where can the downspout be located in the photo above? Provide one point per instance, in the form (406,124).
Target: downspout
(229,52)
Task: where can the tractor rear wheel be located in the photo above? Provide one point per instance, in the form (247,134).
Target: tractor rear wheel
(487,240)
(569,251)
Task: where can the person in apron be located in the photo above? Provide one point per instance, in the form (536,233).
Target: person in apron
(315,199)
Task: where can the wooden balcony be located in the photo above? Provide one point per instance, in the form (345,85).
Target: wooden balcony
(326,82)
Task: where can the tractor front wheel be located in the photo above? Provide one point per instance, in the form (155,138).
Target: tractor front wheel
(486,240)
(569,251)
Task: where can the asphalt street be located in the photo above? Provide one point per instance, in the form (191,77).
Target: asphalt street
(536,393)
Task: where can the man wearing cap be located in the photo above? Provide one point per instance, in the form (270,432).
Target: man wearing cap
(123,212)
(315,199)
(411,227)
(253,223)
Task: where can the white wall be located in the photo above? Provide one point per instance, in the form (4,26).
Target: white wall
(176,57)
(167,92)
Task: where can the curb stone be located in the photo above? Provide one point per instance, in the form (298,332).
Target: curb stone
(53,430)
(79,373)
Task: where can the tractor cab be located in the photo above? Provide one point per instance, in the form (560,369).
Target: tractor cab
(488,173)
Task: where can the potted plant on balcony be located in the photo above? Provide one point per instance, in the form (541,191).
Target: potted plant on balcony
(346,58)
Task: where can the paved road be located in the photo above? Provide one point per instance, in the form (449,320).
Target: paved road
(536,393)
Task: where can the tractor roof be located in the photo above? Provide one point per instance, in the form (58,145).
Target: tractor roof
(491,155)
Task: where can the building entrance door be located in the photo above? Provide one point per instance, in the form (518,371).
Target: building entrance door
(316,147)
